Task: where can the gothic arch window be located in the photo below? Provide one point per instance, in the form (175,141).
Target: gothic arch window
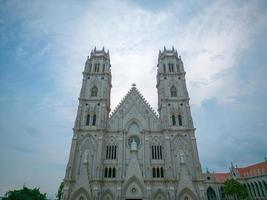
(111,152)
(97,66)
(253,189)
(154,172)
(156,151)
(103,69)
(265,186)
(94,91)
(81,198)
(164,68)
(171,69)
(88,120)
(261,189)
(257,188)
(211,194)
(248,189)
(180,120)
(161,172)
(222,192)
(158,172)
(94,120)
(110,172)
(106,172)
(113,172)
(173,120)
(90,67)
(173,91)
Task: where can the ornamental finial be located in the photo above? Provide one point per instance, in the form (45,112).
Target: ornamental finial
(133,85)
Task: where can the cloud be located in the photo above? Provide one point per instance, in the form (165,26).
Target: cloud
(210,43)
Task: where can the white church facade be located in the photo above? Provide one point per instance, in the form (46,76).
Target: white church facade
(133,153)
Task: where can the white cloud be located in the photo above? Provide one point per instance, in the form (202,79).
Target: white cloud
(210,45)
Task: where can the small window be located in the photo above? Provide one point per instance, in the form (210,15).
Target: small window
(94,120)
(161,172)
(110,172)
(173,91)
(114,173)
(173,120)
(94,92)
(111,152)
(171,69)
(95,67)
(154,172)
(106,173)
(180,120)
(88,120)
(156,151)
(157,172)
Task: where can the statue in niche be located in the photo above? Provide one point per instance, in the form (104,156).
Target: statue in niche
(182,157)
(133,145)
(85,158)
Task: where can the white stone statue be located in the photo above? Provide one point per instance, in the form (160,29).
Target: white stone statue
(181,157)
(133,145)
(85,158)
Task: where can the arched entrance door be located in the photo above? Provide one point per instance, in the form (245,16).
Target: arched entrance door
(187,194)
(211,194)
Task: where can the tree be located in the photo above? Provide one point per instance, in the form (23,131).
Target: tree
(25,194)
(235,189)
(60,190)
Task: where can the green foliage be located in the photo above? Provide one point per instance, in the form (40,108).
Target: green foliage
(25,194)
(235,189)
(59,192)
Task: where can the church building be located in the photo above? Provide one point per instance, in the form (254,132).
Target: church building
(133,152)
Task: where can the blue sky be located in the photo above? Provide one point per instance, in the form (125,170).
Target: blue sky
(44,45)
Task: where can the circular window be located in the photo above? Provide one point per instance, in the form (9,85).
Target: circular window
(134,190)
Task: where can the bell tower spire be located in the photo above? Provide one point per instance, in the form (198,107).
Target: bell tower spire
(94,100)
(173,99)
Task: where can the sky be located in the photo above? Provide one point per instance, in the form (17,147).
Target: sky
(43,48)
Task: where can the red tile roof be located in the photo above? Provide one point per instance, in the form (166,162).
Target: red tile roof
(221,177)
(253,170)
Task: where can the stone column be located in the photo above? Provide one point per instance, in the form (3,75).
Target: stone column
(99,155)
(167,151)
(120,151)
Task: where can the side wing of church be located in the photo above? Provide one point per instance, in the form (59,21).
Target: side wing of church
(133,153)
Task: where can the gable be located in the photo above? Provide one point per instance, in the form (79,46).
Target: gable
(133,108)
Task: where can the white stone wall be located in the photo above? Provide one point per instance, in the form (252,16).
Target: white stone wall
(134,119)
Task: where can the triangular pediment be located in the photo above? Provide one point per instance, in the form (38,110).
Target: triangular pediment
(134,106)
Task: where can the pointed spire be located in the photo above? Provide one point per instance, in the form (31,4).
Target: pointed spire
(103,48)
(164,48)
(95,49)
